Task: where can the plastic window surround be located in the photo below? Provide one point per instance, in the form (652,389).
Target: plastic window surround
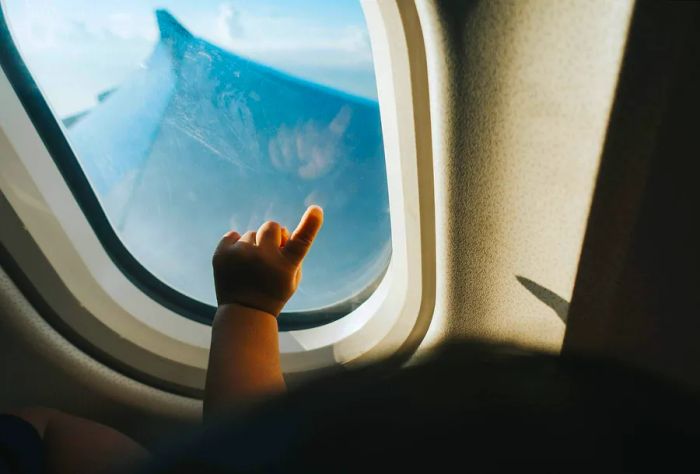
(395,317)
(55,138)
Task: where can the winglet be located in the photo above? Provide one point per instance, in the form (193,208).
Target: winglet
(169,27)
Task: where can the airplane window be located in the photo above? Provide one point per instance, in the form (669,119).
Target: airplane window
(192,118)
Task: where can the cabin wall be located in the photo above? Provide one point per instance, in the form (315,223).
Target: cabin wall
(636,294)
(520,96)
(72,382)
(521,93)
(40,367)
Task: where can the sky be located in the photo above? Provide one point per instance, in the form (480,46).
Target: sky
(77,49)
(289,141)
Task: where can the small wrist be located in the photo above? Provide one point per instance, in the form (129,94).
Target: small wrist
(226,309)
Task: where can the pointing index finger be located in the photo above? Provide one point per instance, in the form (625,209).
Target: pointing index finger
(303,236)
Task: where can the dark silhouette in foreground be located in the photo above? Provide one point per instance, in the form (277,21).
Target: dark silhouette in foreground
(483,408)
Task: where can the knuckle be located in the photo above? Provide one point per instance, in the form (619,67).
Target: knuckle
(270,225)
(244,252)
(226,254)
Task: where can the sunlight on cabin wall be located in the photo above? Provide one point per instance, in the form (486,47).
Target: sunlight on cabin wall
(516,161)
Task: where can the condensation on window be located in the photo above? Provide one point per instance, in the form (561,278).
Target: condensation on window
(208,116)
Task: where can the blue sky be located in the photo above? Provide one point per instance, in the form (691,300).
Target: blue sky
(304,145)
(79,48)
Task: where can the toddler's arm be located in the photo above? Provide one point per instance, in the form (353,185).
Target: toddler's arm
(255,275)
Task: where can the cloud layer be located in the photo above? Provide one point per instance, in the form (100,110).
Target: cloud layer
(79,48)
(310,150)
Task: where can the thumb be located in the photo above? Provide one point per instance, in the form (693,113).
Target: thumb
(303,236)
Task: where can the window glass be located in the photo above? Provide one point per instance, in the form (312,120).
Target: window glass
(192,118)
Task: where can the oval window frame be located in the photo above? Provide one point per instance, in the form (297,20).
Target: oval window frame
(395,317)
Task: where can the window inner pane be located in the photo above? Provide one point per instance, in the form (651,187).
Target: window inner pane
(208,116)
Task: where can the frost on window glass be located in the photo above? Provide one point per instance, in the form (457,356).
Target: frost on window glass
(193,118)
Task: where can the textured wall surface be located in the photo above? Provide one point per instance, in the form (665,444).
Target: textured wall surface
(636,296)
(521,93)
(39,367)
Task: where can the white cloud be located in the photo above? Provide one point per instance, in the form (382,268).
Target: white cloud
(44,27)
(276,39)
(128,26)
(79,52)
(36,29)
(228,23)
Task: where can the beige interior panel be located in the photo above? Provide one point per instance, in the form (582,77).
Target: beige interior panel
(521,93)
(39,367)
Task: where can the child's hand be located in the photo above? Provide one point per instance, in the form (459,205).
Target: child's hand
(262,269)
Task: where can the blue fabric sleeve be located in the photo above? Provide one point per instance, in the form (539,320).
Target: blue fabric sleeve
(21,447)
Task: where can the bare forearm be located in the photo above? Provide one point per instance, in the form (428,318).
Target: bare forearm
(244,362)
